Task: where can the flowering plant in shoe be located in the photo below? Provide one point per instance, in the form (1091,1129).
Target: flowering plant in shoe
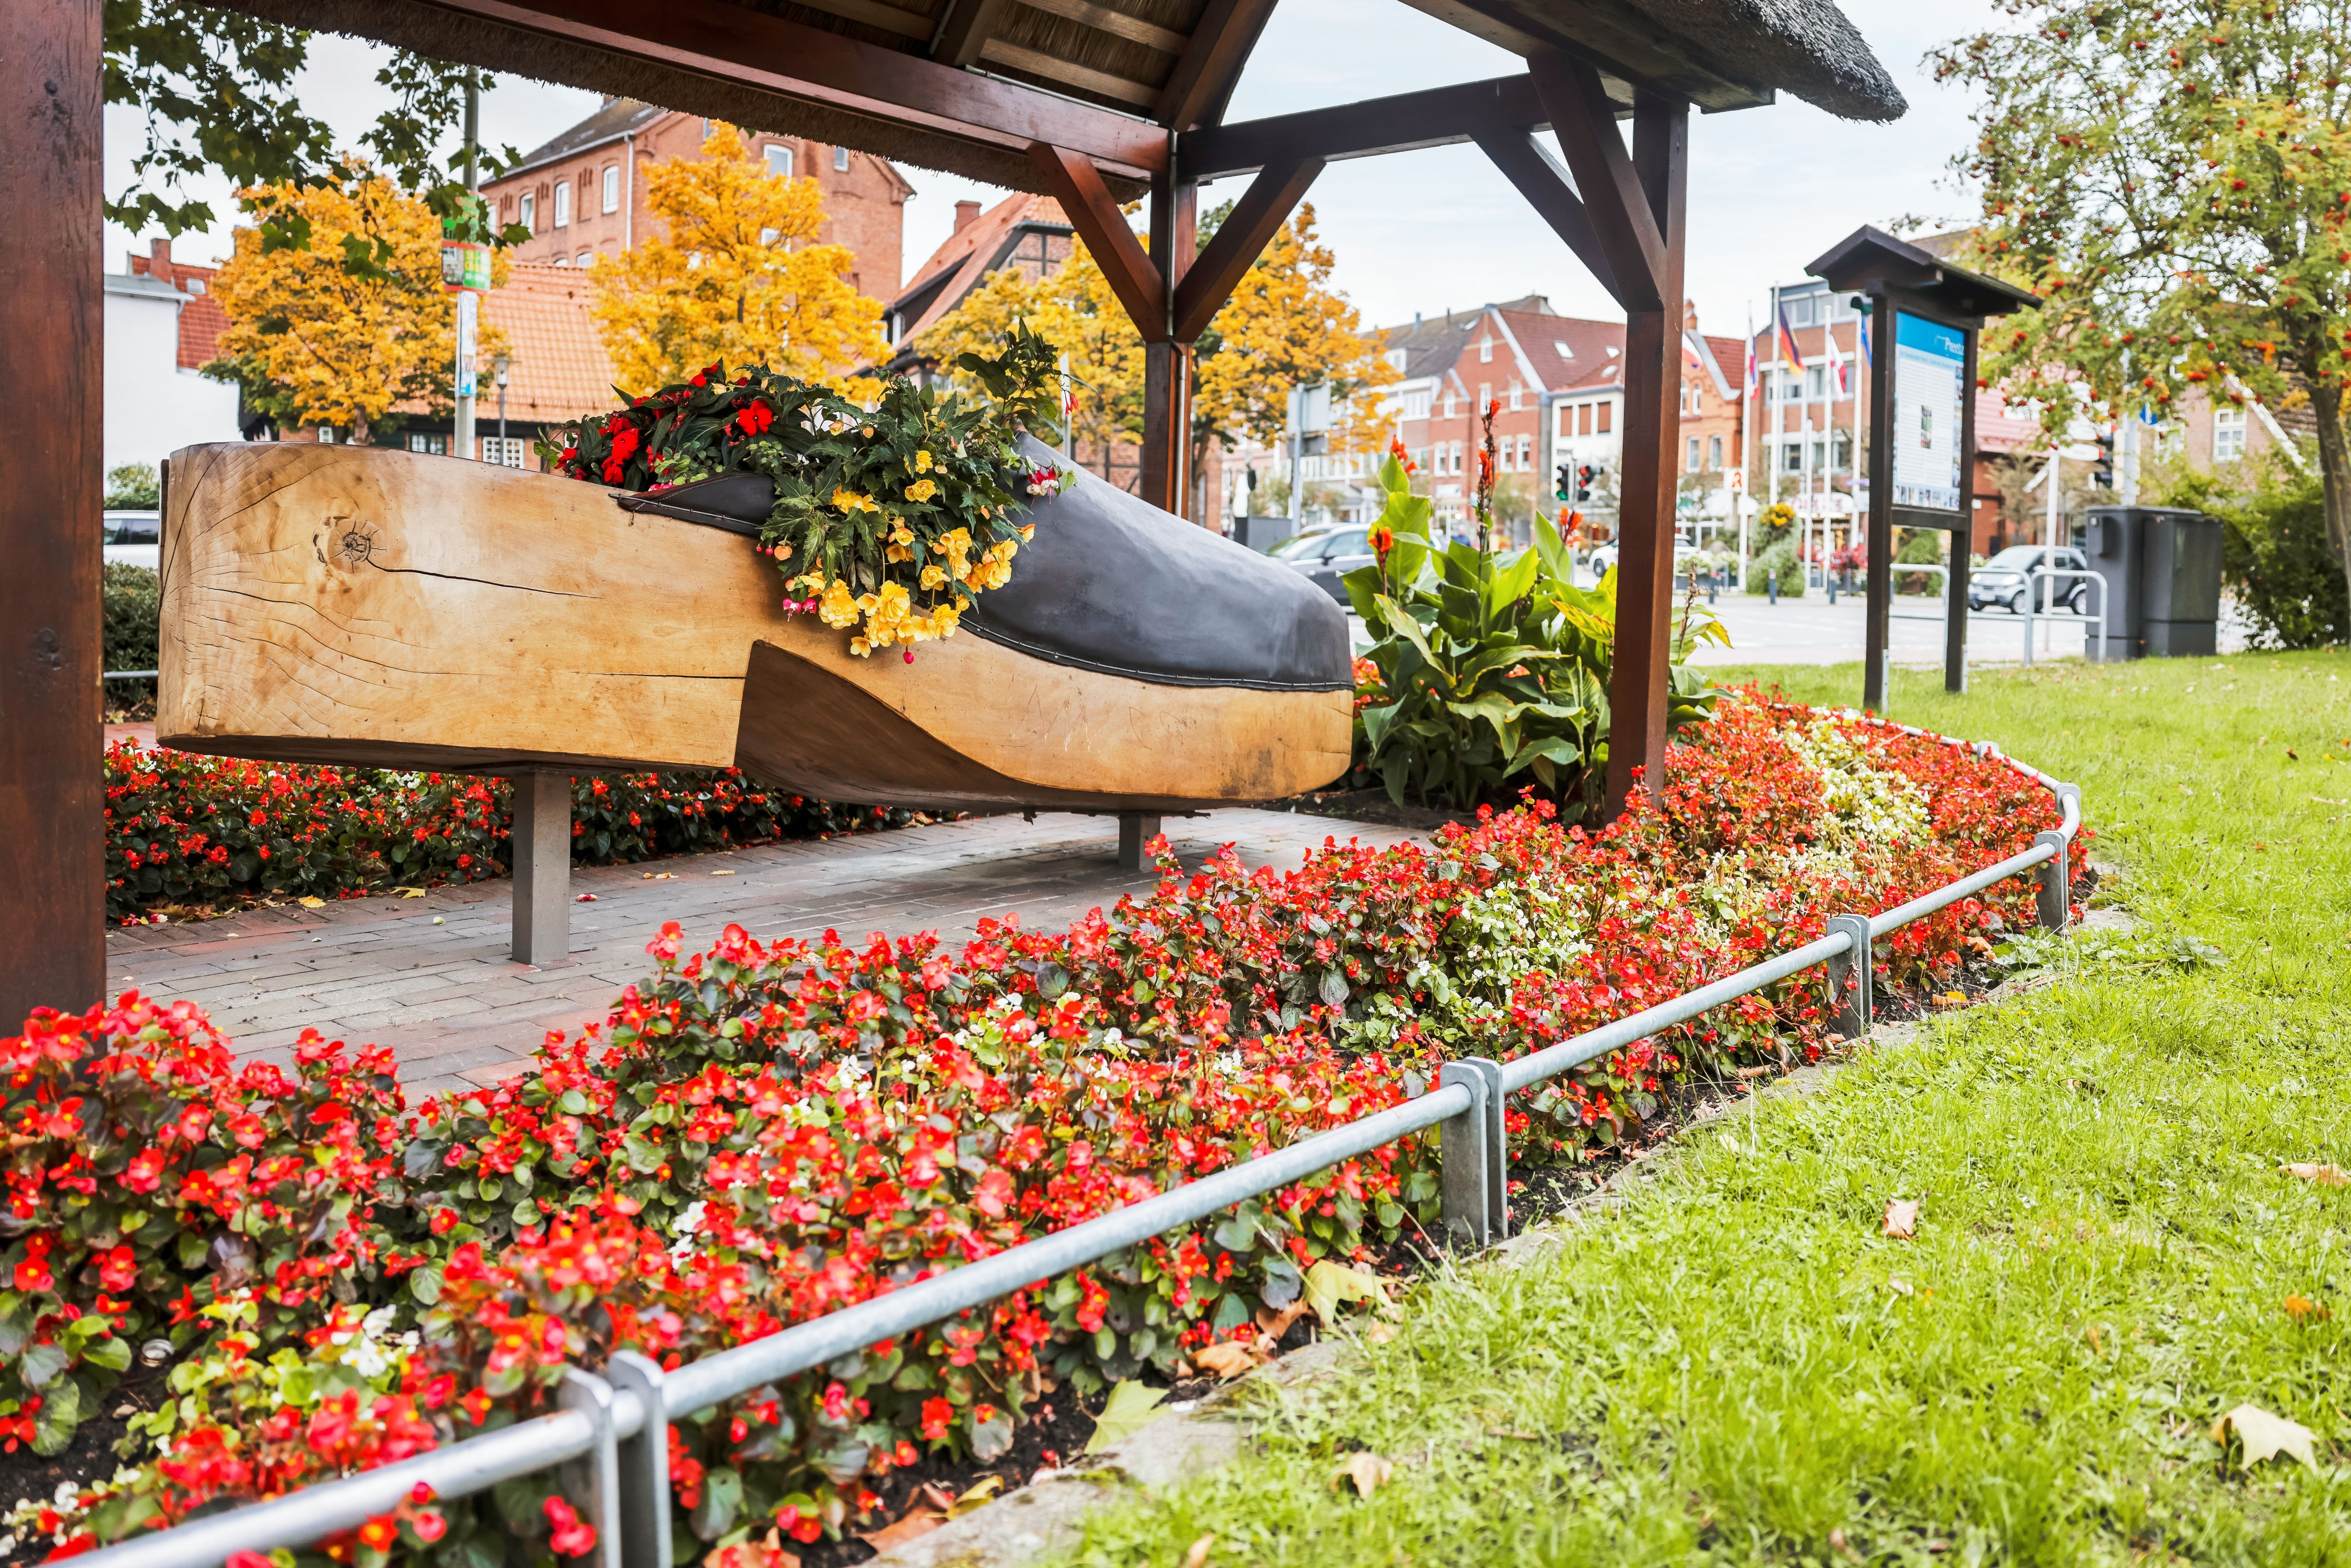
(887,520)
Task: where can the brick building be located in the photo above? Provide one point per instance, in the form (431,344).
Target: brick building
(201,320)
(582,194)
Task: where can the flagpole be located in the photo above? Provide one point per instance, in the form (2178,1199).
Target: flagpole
(1778,386)
(1746,445)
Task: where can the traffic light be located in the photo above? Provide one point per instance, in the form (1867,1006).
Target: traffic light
(1563,483)
(1583,483)
(2103,474)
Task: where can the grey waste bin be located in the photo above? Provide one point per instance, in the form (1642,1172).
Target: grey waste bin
(1261,534)
(2161,566)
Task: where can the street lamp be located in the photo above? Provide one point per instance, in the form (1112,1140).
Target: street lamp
(498,368)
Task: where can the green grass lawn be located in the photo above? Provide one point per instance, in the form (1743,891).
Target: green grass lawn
(1737,1366)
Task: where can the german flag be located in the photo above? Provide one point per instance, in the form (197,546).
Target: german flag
(1787,344)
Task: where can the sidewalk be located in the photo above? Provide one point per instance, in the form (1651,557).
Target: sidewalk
(456,1010)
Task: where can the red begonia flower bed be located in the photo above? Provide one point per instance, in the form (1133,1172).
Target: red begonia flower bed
(760,1134)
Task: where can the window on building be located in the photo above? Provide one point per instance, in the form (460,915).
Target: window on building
(1821,456)
(1792,457)
(584,258)
(563,204)
(1799,312)
(768,236)
(1518,397)
(1843,447)
(2228,435)
(327,436)
(841,160)
(428,441)
(779,160)
(1395,357)
(1526,454)
(612,188)
(560,261)
(1714,452)
(1486,349)
(1452,405)
(1415,405)
(1505,457)
(192,285)
(1816,383)
(530,213)
(1562,350)
(1691,462)
(1604,409)
(505,451)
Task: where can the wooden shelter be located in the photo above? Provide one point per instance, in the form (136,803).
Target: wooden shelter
(1090,101)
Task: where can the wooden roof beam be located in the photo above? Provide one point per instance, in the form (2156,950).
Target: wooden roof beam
(1626,229)
(1238,241)
(1204,73)
(1439,117)
(969,24)
(1527,164)
(737,45)
(1093,212)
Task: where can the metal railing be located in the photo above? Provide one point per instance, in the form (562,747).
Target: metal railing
(2094,646)
(1941,598)
(610,1432)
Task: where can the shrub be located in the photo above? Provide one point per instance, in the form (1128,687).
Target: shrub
(1781,559)
(183,829)
(131,607)
(1923,546)
(2275,558)
(133,488)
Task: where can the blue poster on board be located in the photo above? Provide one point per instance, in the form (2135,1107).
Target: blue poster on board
(1929,366)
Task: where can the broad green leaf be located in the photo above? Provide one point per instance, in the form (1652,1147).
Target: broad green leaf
(1132,1408)
(1330,1283)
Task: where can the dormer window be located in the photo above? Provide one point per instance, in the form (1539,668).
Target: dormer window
(1562,350)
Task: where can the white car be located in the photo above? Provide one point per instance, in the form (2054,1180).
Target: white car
(134,538)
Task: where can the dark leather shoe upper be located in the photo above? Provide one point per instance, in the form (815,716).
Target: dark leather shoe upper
(1113,584)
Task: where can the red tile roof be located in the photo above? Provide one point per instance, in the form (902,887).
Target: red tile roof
(1588,362)
(1731,353)
(1998,429)
(971,250)
(201,320)
(560,370)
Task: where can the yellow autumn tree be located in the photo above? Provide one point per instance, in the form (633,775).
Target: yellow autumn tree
(1074,310)
(1285,326)
(739,278)
(313,341)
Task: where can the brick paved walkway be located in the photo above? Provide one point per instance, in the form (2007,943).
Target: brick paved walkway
(457,1009)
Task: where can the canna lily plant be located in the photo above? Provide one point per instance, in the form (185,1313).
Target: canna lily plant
(1484,667)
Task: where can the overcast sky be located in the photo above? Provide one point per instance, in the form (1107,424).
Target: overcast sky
(1420,232)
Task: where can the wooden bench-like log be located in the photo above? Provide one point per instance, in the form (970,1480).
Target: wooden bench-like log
(364,606)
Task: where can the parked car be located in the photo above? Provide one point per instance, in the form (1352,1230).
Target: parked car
(2001,581)
(135,539)
(1325,556)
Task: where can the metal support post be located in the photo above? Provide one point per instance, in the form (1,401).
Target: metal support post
(1473,1180)
(1135,831)
(542,868)
(593,1479)
(2056,890)
(1849,976)
(644,1491)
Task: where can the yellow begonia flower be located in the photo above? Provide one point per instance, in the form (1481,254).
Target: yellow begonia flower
(896,552)
(922,462)
(902,535)
(933,577)
(859,647)
(922,490)
(836,609)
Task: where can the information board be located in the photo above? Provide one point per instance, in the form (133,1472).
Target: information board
(1929,367)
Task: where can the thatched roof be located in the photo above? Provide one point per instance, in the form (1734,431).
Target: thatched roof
(1721,54)
(1155,60)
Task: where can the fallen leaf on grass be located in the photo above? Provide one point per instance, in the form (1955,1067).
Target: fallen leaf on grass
(768,1553)
(1199,1552)
(1842,1547)
(1901,1217)
(2303,1310)
(917,1522)
(978,1495)
(1227,1358)
(2325,1176)
(1131,1408)
(307,902)
(1379,1333)
(1368,1472)
(409,892)
(1330,1283)
(2264,1436)
(1901,1287)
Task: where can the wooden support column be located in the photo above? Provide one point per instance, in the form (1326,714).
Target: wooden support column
(52,837)
(1633,206)
(1167,363)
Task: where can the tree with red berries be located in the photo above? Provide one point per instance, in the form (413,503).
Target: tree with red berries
(2174,181)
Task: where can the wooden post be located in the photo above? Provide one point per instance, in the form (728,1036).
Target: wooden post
(542,866)
(1645,528)
(52,834)
(1167,364)
(1878,610)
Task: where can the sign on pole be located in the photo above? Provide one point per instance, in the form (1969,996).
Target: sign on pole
(469,311)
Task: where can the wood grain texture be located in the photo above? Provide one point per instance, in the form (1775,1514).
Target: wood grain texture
(325,603)
(52,827)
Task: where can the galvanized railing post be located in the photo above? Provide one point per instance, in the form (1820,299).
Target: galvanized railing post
(1498,1149)
(595,1477)
(1465,1185)
(1849,976)
(644,1461)
(2056,890)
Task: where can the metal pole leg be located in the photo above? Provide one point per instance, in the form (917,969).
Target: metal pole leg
(1135,830)
(1853,1002)
(593,1479)
(643,1465)
(542,868)
(2056,893)
(1465,1185)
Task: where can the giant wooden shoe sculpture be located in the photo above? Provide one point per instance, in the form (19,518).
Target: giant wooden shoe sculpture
(367,606)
